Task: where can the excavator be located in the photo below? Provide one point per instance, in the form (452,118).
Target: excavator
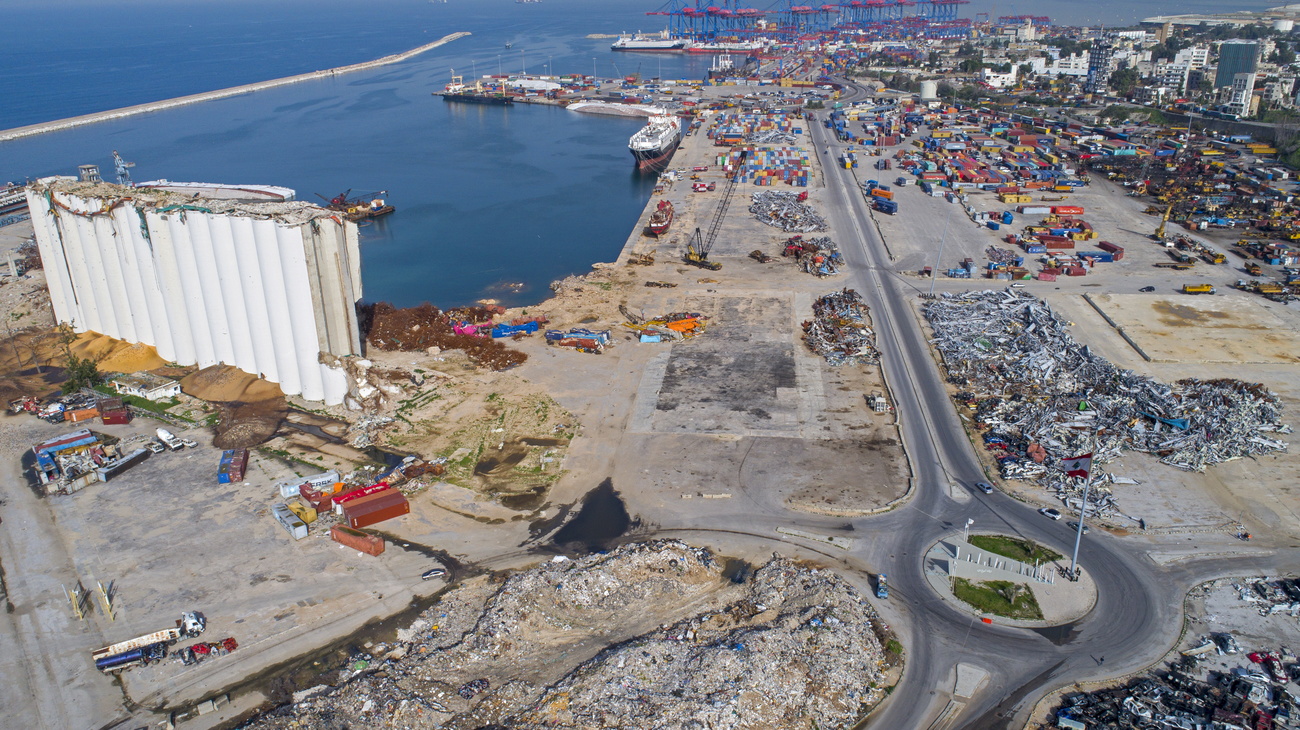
(698,248)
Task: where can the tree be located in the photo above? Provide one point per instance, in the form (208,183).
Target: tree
(970,65)
(1124,80)
(82,372)
(1283,56)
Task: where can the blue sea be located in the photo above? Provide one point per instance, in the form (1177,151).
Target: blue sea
(486,196)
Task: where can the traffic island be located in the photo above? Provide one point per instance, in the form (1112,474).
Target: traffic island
(981,577)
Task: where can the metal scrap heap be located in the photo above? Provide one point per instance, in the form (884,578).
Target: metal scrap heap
(1042,396)
(817,256)
(772,136)
(840,329)
(785,211)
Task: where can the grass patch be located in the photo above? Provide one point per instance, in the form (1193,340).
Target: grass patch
(1010,547)
(998,597)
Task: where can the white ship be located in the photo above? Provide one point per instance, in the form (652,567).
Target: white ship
(655,143)
(726,46)
(658,42)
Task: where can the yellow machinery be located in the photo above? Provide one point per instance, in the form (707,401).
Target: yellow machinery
(1164,219)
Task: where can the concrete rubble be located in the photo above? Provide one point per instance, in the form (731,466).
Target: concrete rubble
(785,211)
(654,634)
(1040,397)
(840,329)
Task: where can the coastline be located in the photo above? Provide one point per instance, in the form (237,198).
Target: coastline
(121,113)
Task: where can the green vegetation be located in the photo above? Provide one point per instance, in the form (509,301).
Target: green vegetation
(1009,547)
(998,597)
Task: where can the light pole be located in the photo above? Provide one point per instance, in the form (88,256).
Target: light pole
(1083,511)
(593,71)
(934,275)
(523,62)
(965,531)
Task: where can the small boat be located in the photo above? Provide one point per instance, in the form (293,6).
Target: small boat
(661,219)
(509,44)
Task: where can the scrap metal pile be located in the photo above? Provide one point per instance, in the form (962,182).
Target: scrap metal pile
(772,136)
(425,326)
(667,327)
(785,211)
(840,330)
(1001,255)
(686,647)
(817,256)
(1042,396)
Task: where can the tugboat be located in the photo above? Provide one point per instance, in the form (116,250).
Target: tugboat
(661,219)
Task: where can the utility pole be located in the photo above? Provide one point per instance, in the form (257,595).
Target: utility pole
(934,275)
(1083,511)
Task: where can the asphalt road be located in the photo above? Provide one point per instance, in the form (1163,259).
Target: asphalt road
(1138,612)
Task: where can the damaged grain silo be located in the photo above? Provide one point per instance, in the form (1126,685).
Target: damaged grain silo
(207,274)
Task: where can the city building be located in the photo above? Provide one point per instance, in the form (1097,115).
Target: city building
(1196,57)
(1235,57)
(1241,100)
(147,386)
(1075,64)
(1172,75)
(1099,66)
(206,274)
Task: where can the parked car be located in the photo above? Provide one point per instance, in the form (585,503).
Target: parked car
(155,446)
(1050,513)
(434,573)
(190,443)
(1147,289)
(984,487)
(1074,526)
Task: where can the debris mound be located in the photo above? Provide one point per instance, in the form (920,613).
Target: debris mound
(785,211)
(684,646)
(1042,396)
(425,326)
(840,329)
(817,256)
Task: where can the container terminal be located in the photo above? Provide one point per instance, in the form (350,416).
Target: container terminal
(767,315)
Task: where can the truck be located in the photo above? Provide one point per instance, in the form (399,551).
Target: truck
(882,586)
(169,439)
(1198,289)
(149,647)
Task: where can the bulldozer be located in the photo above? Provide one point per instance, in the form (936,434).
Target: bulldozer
(697,253)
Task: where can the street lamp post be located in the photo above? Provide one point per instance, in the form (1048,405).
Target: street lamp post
(934,275)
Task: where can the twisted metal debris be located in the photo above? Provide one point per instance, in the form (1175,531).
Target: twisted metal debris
(817,256)
(784,211)
(840,330)
(1042,396)
(1000,255)
(772,136)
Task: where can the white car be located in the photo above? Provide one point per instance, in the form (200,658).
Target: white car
(155,446)
(1050,513)
(190,443)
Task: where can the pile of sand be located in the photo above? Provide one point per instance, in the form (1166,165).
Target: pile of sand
(116,356)
(250,409)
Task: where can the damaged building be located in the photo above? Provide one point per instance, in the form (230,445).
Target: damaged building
(207,274)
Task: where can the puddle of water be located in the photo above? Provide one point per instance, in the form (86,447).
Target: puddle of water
(602,519)
(737,570)
(530,441)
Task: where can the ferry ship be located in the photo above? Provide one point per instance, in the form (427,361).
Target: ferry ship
(655,143)
(659,42)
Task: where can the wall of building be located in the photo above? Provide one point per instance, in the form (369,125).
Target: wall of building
(266,292)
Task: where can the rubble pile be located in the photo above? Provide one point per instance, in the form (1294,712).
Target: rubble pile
(788,643)
(1042,396)
(426,326)
(1001,255)
(840,330)
(785,211)
(817,256)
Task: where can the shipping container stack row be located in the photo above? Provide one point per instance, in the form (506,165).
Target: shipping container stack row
(729,130)
(767,165)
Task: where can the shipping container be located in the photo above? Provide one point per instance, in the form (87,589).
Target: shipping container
(108,471)
(1116,251)
(287,519)
(1034,210)
(375,508)
(232,466)
(357,540)
(355,494)
(303,512)
(83,414)
(118,417)
(1067,209)
(322,481)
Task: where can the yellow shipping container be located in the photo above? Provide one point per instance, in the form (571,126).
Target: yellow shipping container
(304,512)
(941,134)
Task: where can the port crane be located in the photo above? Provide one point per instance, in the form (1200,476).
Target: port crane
(698,248)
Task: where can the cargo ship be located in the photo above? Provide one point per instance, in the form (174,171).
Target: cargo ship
(655,143)
(458,91)
(638,42)
(13,200)
(661,219)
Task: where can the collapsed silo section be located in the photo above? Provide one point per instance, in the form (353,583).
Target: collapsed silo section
(268,287)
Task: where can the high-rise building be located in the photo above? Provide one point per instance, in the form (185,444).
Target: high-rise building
(1235,57)
(1243,89)
(1099,66)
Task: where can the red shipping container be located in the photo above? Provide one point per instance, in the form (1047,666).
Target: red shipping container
(1008,189)
(377,507)
(1075,271)
(341,499)
(119,417)
(1058,245)
(1044,276)
(1052,271)
(357,540)
(1067,210)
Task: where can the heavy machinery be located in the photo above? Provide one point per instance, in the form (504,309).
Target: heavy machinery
(359,206)
(148,648)
(698,248)
(1164,219)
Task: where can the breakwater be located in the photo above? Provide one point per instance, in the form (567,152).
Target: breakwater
(84,119)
